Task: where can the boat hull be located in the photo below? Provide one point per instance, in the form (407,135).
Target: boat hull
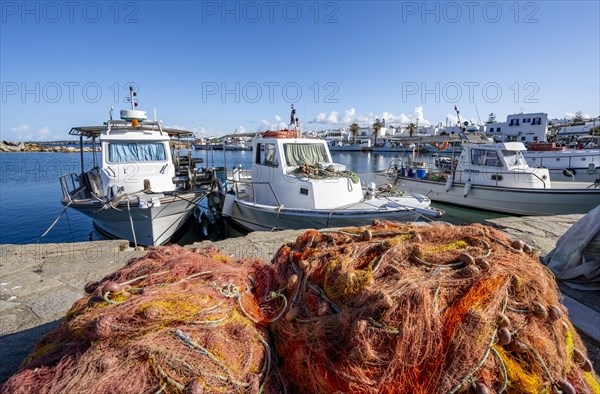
(255,217)
(152,226)
(533,202)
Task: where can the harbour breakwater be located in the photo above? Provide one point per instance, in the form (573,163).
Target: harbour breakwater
(62,146)
(39,283)
(8,146)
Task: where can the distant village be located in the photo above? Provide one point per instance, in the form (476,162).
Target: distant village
(521,127)
(576,132)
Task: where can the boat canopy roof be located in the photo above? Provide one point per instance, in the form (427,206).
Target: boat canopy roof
(506,146)
(462,137)
(124,126)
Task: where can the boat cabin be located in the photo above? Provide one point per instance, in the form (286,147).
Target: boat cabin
(136,156)
(134,159)
(498,164)
(299,173)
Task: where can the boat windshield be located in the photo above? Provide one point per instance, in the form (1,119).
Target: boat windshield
(298,153)
(485,157)
(130,152)
(514,158)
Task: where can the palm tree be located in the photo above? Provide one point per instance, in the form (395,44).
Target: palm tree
(411,129)
(354,127)
(376,128)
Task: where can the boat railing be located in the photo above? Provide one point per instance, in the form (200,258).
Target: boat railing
(252,184)
(70,185)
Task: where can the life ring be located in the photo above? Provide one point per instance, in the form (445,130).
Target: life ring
(443,146)
(280,134)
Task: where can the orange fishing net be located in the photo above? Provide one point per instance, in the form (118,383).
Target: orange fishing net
(389,308)
(397,308)
(173,321)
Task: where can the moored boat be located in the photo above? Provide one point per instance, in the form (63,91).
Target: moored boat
(496,177)
(294,184)
(582,165)
(144,188)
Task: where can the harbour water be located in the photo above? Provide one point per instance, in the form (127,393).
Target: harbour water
(30,193)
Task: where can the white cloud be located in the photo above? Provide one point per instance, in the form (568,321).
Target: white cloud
(241,130)
(44,134)
(20,129)
(278,124)
(569,115)
(350,116)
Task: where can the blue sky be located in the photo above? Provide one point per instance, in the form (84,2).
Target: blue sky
(217,66)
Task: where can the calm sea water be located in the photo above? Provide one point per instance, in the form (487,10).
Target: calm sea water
(30,193)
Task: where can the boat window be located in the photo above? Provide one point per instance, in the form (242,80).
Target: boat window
(296,154)
(514,158)
(270,158)
(485,157)
(259,148)
(128,152)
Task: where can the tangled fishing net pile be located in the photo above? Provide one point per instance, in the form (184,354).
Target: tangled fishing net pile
(389,308)
(173,321)
(395,308)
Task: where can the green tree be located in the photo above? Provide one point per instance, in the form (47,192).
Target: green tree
(377,128)
(354,127)
(411,129)
(578,118)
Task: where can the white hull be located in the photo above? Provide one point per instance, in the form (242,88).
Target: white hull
(257,217)
(348,148)
(517,201)
(583,164)
(153,226)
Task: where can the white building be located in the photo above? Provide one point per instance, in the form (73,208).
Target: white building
(520,127)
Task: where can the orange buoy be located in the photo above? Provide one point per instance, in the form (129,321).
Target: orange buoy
(441,146)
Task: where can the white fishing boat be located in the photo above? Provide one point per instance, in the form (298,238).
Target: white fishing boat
(360,146)
(393,146)
(495,177)
(237,144)
(143,188)
(294,184)
(567,164)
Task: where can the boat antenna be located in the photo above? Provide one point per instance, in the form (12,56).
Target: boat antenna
(111,112)
(458,115)
(476,110)
(293,119)
(132,94)
(155,115)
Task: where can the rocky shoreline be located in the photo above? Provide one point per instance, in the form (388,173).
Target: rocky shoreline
(8,146)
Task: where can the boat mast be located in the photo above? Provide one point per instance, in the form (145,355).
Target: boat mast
(295,123)
(132,94)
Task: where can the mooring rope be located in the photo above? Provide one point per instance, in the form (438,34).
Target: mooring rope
(55,221)
(131,222)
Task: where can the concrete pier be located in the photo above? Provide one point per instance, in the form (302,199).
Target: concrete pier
(39,283)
